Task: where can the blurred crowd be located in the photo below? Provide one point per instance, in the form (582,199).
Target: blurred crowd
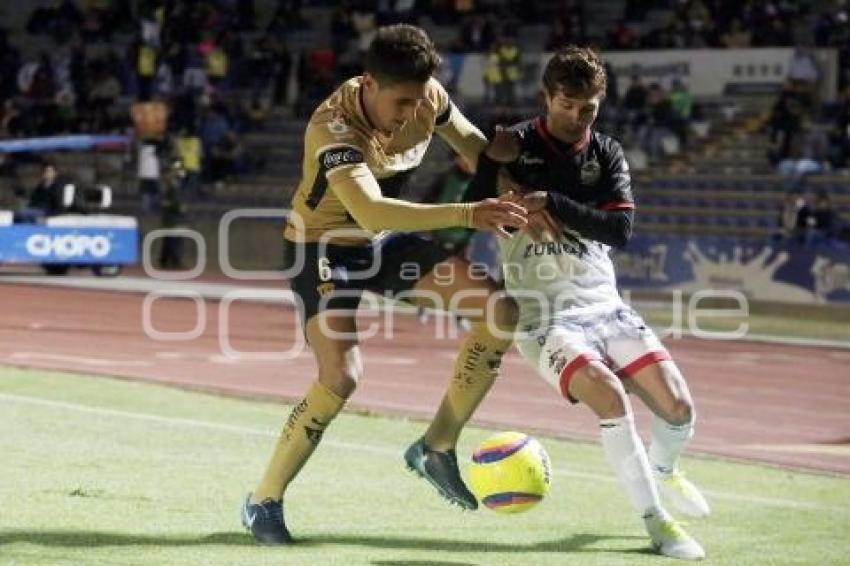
(220,71)
(207,62)
(810,220)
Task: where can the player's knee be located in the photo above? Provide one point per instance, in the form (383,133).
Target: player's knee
(612,404)
(681,412)
(506,313)
(603,393)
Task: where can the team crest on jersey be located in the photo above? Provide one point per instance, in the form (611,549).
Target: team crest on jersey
(340,116)
(590,172)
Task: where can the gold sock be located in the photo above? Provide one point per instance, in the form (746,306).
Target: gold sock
(475,371)
(299,437)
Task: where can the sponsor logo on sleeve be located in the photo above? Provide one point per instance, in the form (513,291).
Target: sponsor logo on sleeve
(338,156)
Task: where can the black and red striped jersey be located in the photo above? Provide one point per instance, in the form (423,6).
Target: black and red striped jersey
(593,171)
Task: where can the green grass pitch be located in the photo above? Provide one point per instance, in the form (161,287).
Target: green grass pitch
(101,471)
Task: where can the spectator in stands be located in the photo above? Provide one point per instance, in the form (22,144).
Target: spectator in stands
(609,114)
(572,15)
(477,35)
(793,218)
(785,125)
(824,217)
(559,36)
(502,73)
(172,213)
(214,126)
(103,93)
(217,61)
(621,36)
(59,22)
(661,124)
(464,7)
(227,157)
(682,104)
(777,33)
(342,28)
(190,153)
(287,17)
(737,36)
(635,105)
(568,26)
(46,198)
(149,174)
(163,86)
(13,121)
(255,113)
(364,21)
(144,60)
(150,24)
(839,133)
(808,152)
(282,68)
(803,76)
(195,78)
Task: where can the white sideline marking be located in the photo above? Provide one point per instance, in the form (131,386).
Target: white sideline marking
(210,290)
(394,452)
(100,362)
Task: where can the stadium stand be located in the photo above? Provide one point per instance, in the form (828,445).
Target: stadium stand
(243,75)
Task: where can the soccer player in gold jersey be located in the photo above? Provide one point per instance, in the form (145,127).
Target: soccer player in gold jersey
(348,232)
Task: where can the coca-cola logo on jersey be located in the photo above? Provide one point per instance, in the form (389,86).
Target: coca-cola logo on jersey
(336,157)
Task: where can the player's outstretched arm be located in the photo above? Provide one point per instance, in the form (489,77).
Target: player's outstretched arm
(359,192)
(611,227)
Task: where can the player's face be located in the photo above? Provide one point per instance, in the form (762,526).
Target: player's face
(568,116)
(392,106)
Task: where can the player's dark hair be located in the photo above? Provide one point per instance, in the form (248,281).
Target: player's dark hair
(575,71)
(401,53)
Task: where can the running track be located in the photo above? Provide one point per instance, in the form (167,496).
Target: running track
(784,405)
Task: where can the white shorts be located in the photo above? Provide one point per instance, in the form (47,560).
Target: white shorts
(618,337)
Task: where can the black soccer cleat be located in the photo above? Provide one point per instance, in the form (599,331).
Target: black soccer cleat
(265,521)
(440,468)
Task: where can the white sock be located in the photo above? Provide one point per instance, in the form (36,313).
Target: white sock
(627,457)
(668,441)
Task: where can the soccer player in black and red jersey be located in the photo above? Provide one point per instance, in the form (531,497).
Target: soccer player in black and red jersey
(573,327)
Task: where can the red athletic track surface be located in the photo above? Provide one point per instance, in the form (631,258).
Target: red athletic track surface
(784,405)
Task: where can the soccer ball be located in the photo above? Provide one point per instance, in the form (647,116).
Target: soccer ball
(510,472)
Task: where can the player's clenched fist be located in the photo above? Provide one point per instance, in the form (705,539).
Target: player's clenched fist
(494,215)
(540,222)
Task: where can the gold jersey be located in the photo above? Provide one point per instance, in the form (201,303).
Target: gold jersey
(341,141)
